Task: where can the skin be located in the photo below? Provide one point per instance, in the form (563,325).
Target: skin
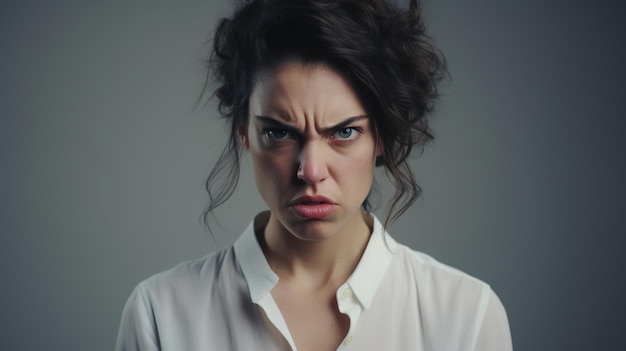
(309,135)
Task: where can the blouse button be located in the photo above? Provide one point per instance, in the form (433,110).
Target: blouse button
(348,339)
(347,293)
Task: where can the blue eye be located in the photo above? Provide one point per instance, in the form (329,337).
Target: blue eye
(346,133)
(277,134)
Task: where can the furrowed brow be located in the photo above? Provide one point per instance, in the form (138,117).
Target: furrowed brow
(275,123)
(343,124)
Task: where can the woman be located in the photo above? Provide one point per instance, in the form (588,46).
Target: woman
(318,93)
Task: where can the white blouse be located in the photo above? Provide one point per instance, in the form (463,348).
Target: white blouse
(396,299)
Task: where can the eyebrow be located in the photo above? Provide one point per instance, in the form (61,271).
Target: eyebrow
(346,122)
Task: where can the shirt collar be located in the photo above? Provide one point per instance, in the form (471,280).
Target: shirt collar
(259,276)
(371,269)
(364,281)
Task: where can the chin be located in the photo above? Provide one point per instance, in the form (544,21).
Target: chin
(314,229)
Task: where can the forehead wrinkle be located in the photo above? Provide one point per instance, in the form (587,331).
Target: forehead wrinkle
(280,97)
(305,96)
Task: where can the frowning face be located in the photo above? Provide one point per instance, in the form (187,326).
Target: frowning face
(313,150)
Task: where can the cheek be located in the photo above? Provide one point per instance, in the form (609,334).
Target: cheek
(356,170)
(267,164)
(272,170)
(361,160)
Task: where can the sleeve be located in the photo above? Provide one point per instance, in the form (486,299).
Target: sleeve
(494,334)
(138,327)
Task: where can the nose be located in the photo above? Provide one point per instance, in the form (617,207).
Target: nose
(312,167)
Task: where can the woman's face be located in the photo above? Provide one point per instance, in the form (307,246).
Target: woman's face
(313,149)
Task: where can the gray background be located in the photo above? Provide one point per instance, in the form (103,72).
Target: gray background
(103,159)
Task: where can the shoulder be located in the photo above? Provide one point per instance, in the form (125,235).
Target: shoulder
(189,276)
(443,291)
(452,301)
(432,274)
(186,294)
(415,275)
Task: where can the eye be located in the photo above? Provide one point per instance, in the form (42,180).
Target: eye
(348,133)
(276,134)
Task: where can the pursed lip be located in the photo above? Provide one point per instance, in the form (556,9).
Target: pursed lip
(313,207)
(312,200)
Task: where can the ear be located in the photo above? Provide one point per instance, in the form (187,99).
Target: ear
(243,137)
(379,147)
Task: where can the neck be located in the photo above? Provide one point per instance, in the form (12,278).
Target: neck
(314,263)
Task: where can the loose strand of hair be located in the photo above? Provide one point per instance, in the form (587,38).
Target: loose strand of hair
(222,180)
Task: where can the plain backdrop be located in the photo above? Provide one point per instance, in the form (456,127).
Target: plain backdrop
(103,158)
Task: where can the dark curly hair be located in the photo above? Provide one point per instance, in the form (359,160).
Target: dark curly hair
(380,49)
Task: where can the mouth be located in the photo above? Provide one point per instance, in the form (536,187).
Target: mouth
(313,207)
(312,200)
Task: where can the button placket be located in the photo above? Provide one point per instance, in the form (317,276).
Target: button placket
(348,305)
